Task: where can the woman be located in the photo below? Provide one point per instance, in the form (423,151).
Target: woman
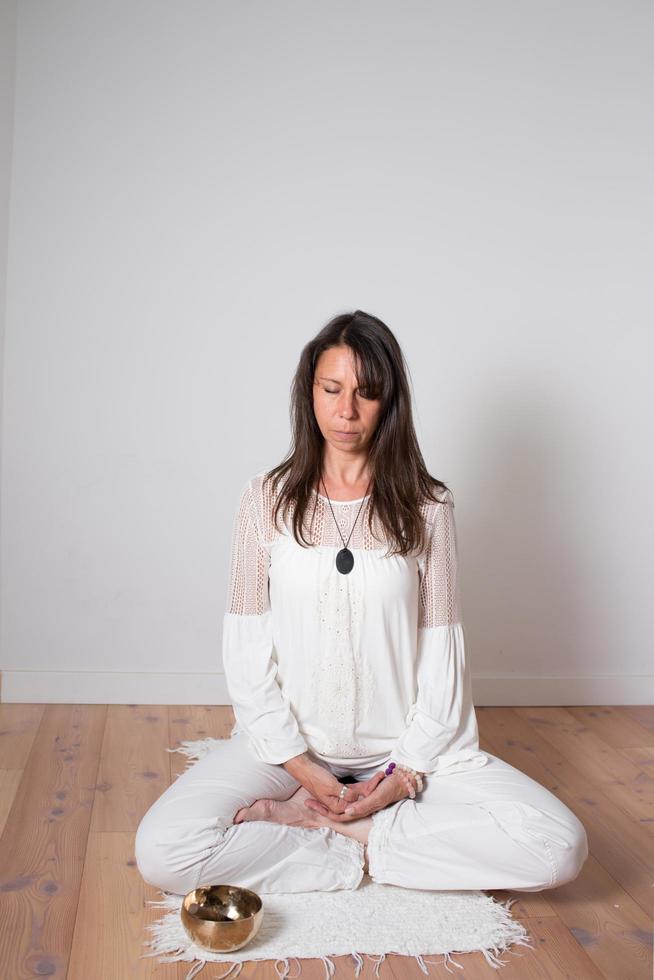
(355,747)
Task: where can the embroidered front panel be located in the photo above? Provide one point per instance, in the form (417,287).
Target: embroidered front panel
(342,682)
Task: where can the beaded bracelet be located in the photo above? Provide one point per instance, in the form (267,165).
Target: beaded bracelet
(406,777)
(405,772)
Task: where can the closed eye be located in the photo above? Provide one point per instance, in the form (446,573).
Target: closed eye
(332,391)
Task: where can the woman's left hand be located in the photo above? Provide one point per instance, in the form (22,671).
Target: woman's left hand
(377,792)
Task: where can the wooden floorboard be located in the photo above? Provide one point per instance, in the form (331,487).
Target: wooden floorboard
(75,781)
(605,919)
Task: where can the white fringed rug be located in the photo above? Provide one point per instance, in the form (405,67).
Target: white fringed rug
(372,920)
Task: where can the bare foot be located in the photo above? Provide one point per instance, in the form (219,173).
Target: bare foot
(291,812)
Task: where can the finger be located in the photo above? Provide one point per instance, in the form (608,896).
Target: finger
(353,813)
(338,817)
(374,783)
(348,798)
(369,788)
(336,805)
(358,809)
(316,805)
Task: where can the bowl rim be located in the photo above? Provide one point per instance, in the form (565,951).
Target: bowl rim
(240,888)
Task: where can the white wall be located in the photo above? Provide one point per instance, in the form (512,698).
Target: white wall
(7,73)
(196,189)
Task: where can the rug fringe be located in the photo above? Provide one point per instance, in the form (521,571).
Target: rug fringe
(195,969)
(285,972)
(330,969)
(358,959)
(195,749)
(236,966)
(378,961)
(515,934)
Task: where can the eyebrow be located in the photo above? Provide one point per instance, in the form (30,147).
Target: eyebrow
(335,380)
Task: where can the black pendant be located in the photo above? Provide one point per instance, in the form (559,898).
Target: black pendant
(345,561)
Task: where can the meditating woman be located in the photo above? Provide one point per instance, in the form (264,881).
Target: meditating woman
(355,746)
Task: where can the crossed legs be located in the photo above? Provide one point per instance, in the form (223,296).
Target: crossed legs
(190,836)
(293,813)
(232,818)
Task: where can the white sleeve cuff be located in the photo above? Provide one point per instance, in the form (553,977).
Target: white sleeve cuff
(441,733)
(261,709)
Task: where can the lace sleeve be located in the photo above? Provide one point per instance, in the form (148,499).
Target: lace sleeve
(441,732)
(247,590)
(261,708)
(439,596)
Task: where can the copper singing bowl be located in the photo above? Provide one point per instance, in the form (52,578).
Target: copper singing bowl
(221,917)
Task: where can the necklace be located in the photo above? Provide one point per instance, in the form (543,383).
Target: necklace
(344,558)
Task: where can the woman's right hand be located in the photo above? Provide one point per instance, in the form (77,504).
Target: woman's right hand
(326,788)
(389,789)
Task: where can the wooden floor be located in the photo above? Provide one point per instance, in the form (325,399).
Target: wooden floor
(76,779)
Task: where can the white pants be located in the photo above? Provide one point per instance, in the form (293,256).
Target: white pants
(487,828)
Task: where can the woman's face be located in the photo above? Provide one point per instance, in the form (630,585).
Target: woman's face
(338,404)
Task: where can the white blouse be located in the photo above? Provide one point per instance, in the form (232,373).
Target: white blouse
(359,668)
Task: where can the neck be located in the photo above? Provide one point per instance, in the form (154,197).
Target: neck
(344,471)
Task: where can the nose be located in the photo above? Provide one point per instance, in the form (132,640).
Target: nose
(346,405)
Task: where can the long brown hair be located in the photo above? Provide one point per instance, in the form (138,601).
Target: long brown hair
(400,481)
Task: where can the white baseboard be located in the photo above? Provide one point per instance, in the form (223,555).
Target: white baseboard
(111,687)
(107,687)
(494,690)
